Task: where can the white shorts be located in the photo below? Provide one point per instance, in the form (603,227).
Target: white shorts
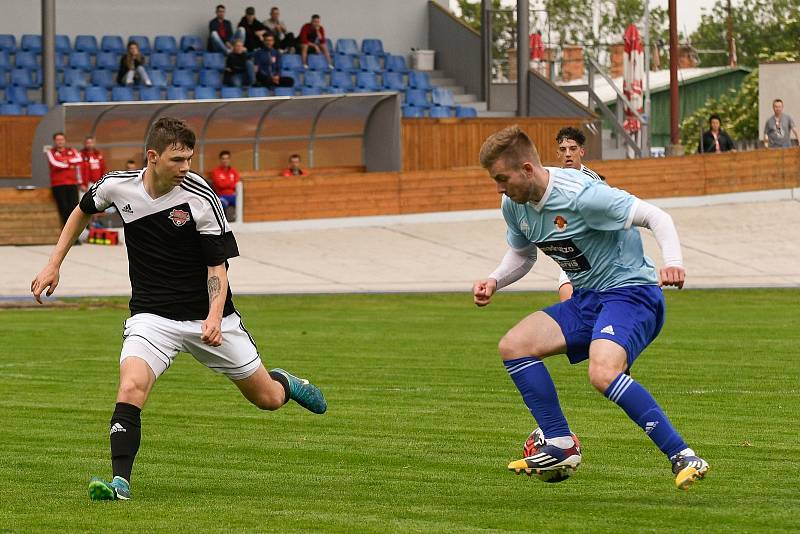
(158,340)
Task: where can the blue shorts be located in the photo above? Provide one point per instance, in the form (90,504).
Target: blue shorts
(630,316)
(228,200)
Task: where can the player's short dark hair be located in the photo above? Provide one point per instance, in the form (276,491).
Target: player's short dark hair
(777,100)
(225,153)
(218,7)
(57,134)
(314,16)
(250,11)
(571,133)
(167,132)
(294,156)
(714,116)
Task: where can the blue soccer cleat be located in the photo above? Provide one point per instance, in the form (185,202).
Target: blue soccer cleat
(688,470)
(304,393)
(117,490)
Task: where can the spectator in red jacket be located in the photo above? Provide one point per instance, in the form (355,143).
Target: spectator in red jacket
(64,162)
(294,168)
(224,179)
(312,39)
(94,164)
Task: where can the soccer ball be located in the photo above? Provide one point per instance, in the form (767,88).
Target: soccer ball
(531,447)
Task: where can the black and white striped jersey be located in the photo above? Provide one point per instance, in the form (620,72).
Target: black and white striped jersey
(591,174)
(171,241)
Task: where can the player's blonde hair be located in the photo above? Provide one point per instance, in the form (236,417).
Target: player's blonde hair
(511,144)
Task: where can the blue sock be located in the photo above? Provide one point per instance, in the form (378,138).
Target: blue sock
(539,393)
(643,409)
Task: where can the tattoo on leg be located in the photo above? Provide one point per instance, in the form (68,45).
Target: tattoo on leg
(214,287)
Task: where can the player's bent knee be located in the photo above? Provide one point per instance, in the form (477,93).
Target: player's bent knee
(132,392)
(510,347)
(601,376)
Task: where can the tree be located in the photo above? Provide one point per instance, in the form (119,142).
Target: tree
(504,25)
(759,27)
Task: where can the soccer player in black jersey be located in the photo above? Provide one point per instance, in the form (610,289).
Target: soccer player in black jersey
(178,245)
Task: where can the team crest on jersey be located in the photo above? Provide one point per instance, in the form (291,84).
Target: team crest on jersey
(560,222)
(523,225)
(179,217)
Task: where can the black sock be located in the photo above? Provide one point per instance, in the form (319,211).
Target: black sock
(126,433)
(284,382)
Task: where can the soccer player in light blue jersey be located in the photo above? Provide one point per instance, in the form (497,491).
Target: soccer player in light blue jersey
(617,308)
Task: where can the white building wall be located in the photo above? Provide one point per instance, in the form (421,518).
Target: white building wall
(401,25)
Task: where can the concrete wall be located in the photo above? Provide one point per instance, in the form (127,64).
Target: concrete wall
(778,80)
(401,25)
(458,48)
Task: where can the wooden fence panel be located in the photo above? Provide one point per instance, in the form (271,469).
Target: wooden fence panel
(16,135)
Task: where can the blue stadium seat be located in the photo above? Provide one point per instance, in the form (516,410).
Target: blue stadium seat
(37,109)
(345,63)
(96,94)
(122,94)
(210,78)
(151,93)
(396,64)
(104,78)
(62,61)
(192,43)
(342,80)
(373,47)
(393,81)
(418,98)
(75,78)
(314,78)
(3,79)
(16,94)
(10,109)
(112,43)
(293,74)
(466,112)
(419,80)
(255,92)
(183,78)
(31,43)
(161,61)
(443,97)
(332,90)
(310,91)
(165,44)
(177,93)
(5,61)
(144,43)
(231,92)
(80,60)
(157,77)
(86,43)
(291,62)
(367,82)
(69,94)
(24,78)
(370,64)
(204,93)
(440,112)
(186,60)
(62,44)
(8,43)
(347,47)
(107,60)
(412,112)
(318,62)
(214,60)
(284,91)
(26,60)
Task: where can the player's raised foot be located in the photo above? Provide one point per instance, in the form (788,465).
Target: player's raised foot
(304,393)
(688,469)
(117,489)
(549,458)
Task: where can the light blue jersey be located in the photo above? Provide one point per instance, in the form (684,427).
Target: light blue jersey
(585,226)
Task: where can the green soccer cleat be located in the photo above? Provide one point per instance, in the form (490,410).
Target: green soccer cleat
(117,490)
(304,393)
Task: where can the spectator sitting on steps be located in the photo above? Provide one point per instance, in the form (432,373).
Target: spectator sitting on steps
(312,40)
(268,65)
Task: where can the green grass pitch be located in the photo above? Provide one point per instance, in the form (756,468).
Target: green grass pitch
(422,422)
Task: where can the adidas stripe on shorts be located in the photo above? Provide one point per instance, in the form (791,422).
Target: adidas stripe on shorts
(158,340)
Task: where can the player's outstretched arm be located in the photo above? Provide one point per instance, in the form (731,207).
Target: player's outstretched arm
(660,223)
(217,294)
(49,275)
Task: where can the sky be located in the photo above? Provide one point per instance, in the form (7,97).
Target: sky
(689,11)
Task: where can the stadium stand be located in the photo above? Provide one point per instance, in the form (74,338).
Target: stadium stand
(86,43)
(112,43)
